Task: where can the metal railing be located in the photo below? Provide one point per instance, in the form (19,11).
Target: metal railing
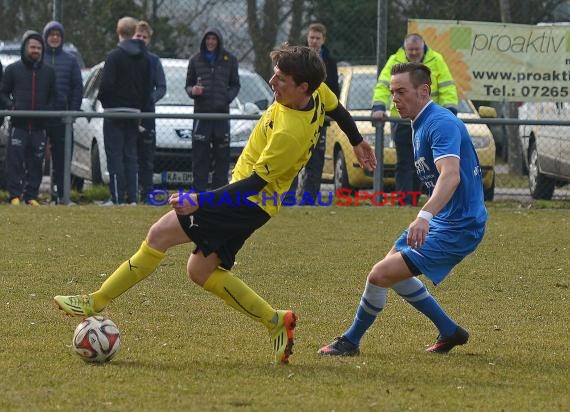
(68,118)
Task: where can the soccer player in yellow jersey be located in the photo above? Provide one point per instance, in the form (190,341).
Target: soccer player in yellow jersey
(219,222)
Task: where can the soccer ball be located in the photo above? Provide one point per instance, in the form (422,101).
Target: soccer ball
(96,339)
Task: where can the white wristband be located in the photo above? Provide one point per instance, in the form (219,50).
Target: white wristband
(424,214)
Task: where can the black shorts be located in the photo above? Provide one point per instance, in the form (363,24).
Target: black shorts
(222,229)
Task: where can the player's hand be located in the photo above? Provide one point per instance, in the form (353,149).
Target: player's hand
(417,232)
(379,114)
(365,155)
(184,206)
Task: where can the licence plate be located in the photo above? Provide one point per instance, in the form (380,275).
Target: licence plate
(176,177)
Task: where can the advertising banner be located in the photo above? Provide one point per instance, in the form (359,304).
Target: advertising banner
(502,62)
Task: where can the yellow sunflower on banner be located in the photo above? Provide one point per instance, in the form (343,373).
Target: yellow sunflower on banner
(441,42)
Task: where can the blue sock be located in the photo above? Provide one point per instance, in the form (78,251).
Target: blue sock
(417,295)
(372,302)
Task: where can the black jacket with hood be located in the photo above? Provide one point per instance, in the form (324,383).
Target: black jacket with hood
(28,85)
(219,78)
(126,79)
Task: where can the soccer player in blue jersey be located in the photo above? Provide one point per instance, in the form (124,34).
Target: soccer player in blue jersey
(448,228)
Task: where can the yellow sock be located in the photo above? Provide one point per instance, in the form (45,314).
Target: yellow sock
(138,267)
(239,296)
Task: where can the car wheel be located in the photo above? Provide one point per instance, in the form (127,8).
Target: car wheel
(489,193)
(541,186)
(340,173)
(96,176)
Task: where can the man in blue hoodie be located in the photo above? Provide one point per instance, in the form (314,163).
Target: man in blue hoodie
(125,87)
(69,88)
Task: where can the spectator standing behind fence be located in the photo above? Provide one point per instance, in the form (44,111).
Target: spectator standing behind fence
(309,180)
(28,84)
(125,87)
(443,92)
(447,229)
(213,82)
(147,135)
(69,86)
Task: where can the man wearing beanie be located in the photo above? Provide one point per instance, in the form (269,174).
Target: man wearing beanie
(69,93)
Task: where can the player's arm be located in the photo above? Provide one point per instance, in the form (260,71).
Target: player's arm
(363,151)
(447,182)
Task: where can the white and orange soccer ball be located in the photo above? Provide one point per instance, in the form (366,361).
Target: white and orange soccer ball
(96,339)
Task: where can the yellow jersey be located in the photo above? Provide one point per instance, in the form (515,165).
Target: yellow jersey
(280,145)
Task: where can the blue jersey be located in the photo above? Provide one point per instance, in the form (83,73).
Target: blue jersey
(438,133)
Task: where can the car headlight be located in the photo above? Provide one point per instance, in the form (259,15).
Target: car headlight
(480,141)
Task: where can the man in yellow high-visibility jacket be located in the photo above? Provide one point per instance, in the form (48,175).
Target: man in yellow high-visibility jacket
(443,92)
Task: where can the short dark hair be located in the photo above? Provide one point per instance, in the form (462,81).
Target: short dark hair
(318,27)
(419,73)
(300,62)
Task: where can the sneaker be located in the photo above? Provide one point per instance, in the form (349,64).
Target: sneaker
(15,201)
(444,345)
(32,202)
(78,305)
(108,203)
(340,347)
(283,334)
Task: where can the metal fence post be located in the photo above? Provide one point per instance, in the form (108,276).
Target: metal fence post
(382,27)
(68,121)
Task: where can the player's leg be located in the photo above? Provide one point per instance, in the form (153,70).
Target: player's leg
(416,294)
(165,233)
(205,271)
(390,270)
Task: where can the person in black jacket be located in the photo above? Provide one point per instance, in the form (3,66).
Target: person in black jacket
(147,135)
(213,82)
(69,87)
(125,87)
(28,84)
(309,179)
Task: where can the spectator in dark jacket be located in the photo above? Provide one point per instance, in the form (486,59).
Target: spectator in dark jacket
(213,82)
(28,84)
(69,87)
(309,180)
(125,87)
(147,135)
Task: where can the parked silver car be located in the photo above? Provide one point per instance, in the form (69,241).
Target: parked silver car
(546,148)
(173,157)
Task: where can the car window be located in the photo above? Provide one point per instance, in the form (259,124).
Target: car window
(255,90)
(92,83)
(361,91)
(175,82)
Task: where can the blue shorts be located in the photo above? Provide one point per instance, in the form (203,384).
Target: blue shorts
(445,247)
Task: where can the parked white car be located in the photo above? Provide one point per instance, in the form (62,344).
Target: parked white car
(173,156)
(546,148)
